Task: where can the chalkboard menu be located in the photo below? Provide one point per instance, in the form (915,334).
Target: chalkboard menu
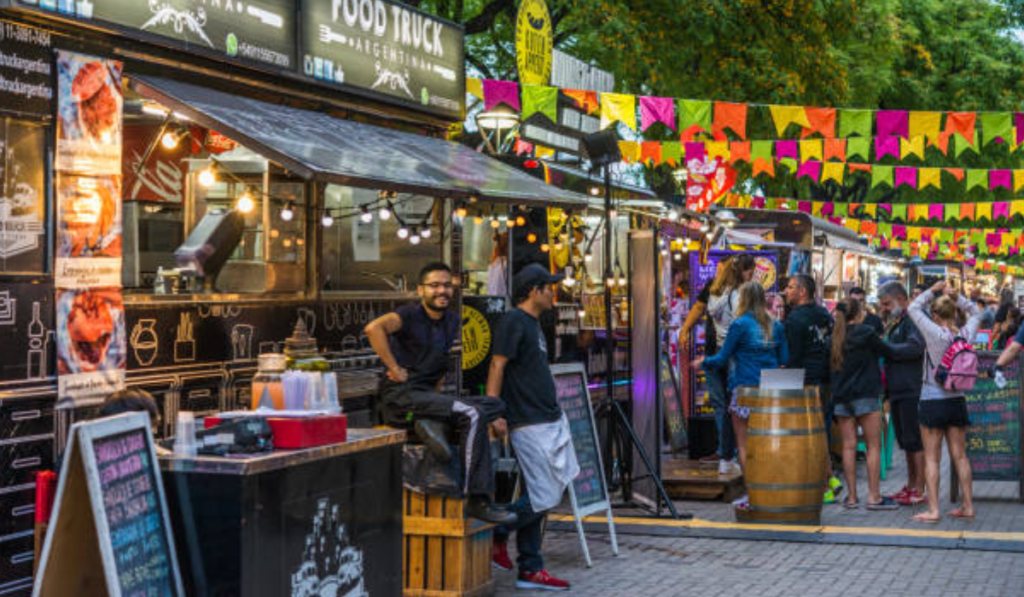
(672,404)
(26,64)
(573,397)
(110,496)
(135,524)
(994,437)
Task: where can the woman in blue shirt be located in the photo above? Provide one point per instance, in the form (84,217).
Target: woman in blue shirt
(754,342)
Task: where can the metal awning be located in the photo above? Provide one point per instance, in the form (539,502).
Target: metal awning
(317,146)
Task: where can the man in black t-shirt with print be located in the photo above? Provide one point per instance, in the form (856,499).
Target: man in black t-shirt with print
(519,373)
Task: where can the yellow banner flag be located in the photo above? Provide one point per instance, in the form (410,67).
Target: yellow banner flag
(717,149)
(618,107)
(1018,180)
(929,177)
(1016,208)
(630,150)
(783,116)
(871,209)
(912,146)
(812,149)
(833,171)
(983,210)
(475,87)
(925,124)
(913,233)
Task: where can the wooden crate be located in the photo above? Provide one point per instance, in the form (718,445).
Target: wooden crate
(444,554)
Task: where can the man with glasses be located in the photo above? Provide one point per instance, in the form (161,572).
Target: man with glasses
(413,342)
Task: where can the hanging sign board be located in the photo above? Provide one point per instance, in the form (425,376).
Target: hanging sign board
(110,532)
(534,42)
(386,48)
(26,64)
(588,493)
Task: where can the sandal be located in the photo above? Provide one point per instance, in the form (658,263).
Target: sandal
(923,517)
(887,503)
(850,505)
(959,513)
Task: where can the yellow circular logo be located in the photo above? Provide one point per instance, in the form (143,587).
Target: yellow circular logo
(476,338)
(534,42)
(764,272)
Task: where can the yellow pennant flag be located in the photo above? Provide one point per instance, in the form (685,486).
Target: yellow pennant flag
(630,150)
(1018,179)
(929,177)
(1016,208)
(925,124)
(871,209)
(853,225)
(783,116)
(833,171)
(812,149)
(542,152)
(913,233)
(618,107)
(716,149)
(475,87)
(816,208)
(983,210)
(745,201)
(912,146)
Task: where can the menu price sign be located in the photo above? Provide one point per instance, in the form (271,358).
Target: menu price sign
(260,31)
(994,436)
(26,66)
(672,404)
(386,48)
(110,495)
(588,492)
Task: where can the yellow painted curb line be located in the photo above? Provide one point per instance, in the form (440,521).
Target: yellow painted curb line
(697,523)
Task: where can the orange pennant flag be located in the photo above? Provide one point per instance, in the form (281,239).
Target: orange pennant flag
(650,151)
(823,120)
(766,166)
(731,116)
(958,173)
(967,211)
(957,122)
(740,150)
(835,149)
(584,100)
(856,167)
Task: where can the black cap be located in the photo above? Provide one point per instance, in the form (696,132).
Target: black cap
(533,275)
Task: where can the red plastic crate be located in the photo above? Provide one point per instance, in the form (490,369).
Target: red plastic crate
(310,432)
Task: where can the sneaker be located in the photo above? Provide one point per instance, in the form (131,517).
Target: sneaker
(499,556)
(829,497)
(709,459)
(914,497)
(835,485)
(729,467)
(480,507)
(902,496)
(540,580)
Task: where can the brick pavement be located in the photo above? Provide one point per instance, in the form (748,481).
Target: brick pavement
(667,566)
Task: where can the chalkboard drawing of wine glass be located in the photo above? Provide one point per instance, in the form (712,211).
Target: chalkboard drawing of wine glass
(184,342)
(145,342)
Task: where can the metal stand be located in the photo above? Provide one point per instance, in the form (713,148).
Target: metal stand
(617,420)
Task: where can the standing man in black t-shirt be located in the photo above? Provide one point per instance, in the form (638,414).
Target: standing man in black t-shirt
(413,342)
(520,374)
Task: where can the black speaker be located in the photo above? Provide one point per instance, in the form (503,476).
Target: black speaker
(602,148)
(211,242)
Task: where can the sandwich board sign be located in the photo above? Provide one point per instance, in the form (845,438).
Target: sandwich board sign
(110,533)
(588,492)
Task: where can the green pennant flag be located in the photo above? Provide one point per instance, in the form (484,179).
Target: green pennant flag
(952,212)
(906,249)
(978,238)
(946,235)
(539,98)
(693,112)
(855,122)
(789,163)
(859,146)
(977,178)
(885,229)
(996,124)
(881,175)
(961,145)
(761,150)
(672,150)
(899,212)
(840,210)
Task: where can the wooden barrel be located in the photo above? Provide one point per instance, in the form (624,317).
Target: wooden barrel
(786,452)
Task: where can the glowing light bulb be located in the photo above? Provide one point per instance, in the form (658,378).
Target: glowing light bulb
(403,232)
(245,203)
(544,248)
(461,212)
(169,140)
(414,239)
(495,223)
(287,213)
(588,257)
(366,216)
(327,220)
(531,238)
(520,221)
(207,177)
(425,233)
(569,282)
(478,220)
(384,214)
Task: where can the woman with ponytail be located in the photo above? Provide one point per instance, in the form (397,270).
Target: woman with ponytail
(857,382)
(754,342)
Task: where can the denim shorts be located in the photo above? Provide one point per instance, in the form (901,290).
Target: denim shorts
(858,407)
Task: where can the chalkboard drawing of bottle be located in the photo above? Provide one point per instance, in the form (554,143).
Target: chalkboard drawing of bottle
(145,343)
(37,344)
(184,342)
(330,564)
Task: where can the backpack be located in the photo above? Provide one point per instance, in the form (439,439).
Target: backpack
(958,369)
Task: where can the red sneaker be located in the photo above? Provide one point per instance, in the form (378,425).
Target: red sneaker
(499,556)
(914,497)
(540,580)
(902,496)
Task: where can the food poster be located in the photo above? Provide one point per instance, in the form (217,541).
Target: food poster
(91,346)
(22,197)
(90,322)
(89,103)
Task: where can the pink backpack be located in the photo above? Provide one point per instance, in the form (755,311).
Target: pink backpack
(959,367)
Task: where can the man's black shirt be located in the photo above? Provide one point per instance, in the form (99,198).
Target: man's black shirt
(528,388)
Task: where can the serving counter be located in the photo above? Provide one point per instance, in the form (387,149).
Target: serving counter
(325,520)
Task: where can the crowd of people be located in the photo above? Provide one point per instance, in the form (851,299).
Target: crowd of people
(915,353)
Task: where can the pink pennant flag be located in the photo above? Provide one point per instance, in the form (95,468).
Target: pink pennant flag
(501,92)
(657,109)
(804,206)
(695,151)
(757,202)
(887,146)
(887,208)
(906,175)
(893,122)
(787,149)
(828,209)
(936,212)
(1000,178)
(899,231)
(1018,123)
(994,240)
(810,168)
(1001,209)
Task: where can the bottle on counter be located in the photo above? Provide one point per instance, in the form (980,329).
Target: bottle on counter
(268,385)
(185,435)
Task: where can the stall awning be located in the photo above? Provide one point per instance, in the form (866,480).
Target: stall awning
(317,146)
